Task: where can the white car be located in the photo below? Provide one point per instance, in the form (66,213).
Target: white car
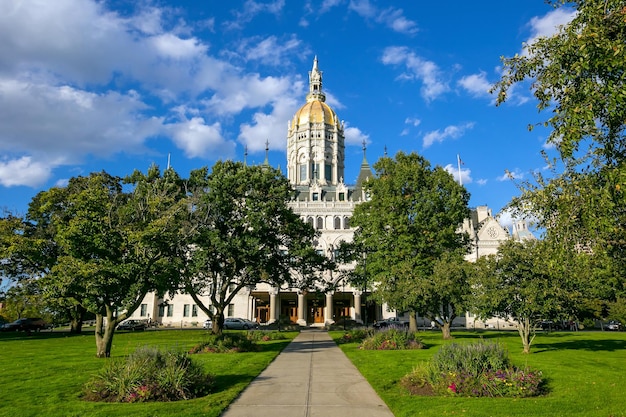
(614,325)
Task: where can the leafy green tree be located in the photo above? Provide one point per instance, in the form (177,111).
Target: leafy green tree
(412,219)
(23,299)
(525,283)
(244,233)
(450,290)
(114,246)
(578,75)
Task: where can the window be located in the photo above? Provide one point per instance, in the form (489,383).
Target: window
(316,196)
(342,196)
(144,310)
(337,222)
(320,222)
(186,310)
(346,222)
(231,310)
(170,310)
(303,175)
(161,310)
(328,172)
(310,221)
(194,311)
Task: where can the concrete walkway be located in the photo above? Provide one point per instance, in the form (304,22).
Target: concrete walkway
(311,377)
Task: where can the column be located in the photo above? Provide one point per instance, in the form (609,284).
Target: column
(273,306)
(328,314)
(301,317)
(357,306)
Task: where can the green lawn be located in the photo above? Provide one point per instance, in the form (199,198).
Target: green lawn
(586,374)
(43,373)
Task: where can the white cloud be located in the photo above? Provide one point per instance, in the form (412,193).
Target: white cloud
(417,68)
(476,84)
(414,121)
(253,8)
(24,171)
(270,50)
(548,25)
(481,181)
(511,175)
(390,17)
(465,174)
(199,139)
(450,132)
(354,136)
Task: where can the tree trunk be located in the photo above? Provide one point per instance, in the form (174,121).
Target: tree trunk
(218,321)
(413,321)
(104,335)
(76,319)
(445,330)
(525,329)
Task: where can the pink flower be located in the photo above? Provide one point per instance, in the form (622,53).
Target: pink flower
(452,387)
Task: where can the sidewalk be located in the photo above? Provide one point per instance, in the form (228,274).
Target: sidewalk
(310,378)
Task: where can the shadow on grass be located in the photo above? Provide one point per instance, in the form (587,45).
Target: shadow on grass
(608,345)
(45,334)
(225,382)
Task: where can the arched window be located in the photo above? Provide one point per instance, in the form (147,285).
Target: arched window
(346,222)
(320,222)
(337,223)
(310,221)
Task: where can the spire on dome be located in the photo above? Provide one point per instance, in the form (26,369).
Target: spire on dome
(315,84)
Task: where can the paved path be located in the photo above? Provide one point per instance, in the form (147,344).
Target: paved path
(311,377)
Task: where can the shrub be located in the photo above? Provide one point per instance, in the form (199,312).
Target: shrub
(392,339)
(355,336)
(475,370)
(149,374)
(232,342)
(265,336)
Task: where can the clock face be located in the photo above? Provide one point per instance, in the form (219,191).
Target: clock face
(492,232)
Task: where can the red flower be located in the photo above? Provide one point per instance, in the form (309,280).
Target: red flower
(452,387)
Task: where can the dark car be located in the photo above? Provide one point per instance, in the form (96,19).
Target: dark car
(550,325)
(132,325)
(390,322)
(239,324)
(26,324)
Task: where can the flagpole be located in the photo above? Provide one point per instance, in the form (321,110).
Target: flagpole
(458,161)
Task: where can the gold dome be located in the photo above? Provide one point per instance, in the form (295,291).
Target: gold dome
(314,111)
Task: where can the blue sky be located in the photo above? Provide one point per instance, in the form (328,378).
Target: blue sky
(118,85)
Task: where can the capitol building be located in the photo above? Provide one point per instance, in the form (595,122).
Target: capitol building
(315,168)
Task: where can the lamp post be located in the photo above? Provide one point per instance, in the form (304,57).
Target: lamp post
(365,287)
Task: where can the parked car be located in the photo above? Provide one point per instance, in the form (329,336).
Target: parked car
(26,324)
(390,322)
(233,323)
(132,325)
(551,325)
(614,325)
(208,324)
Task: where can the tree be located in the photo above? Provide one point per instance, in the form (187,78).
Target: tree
(114,246)
(412,218)
(525,283)
(243,233)
(450,290)
(579,75)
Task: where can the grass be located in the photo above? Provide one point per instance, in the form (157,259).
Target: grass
(43,373)
(586,374)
